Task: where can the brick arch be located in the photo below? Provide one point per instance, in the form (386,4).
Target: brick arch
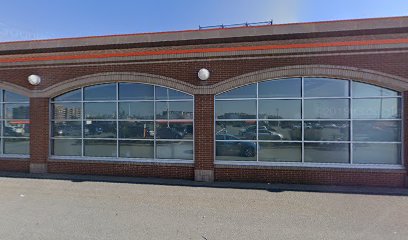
(15,88)
(110,77)
(363,75)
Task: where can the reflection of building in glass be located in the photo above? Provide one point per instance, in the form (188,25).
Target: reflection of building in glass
(62,112)
(20,112)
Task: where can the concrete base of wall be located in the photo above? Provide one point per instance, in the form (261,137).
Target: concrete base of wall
(204,175)
(38,168)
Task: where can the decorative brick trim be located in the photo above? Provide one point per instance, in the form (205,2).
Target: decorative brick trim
(15,88)
(99,78)
(364,75)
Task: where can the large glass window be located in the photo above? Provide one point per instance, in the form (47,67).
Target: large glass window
(309,120)
(123,120)
(15,124)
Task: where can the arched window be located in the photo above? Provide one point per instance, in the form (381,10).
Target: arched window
(123,121)
(15,127)
(309,121)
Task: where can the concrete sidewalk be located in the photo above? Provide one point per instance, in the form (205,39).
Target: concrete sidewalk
(89,207)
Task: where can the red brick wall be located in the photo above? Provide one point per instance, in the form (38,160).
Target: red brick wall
(15,165)
(204,132)
(122,169)
(39,130)
(386,178)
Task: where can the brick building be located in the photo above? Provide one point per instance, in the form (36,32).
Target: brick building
(310,103)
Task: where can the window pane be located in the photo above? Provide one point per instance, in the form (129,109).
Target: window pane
(368,90)
(174,110)
(100,110)
(235,151)
(280,109)
(236,109)
(63,129)
(135,91)
(100,92)
(327,152)
(325,87)
(136,149)
(169,130)
(17,111)
(235,130)
(326,109)
(17,128)
(248,91)
(136,130)
(69,96)
(280,152)
(381,108)
(375,153)
(175,150)
(99,129)
(100,148)
(377,131)
(327,131)
(290,87)
(16,146)
(136,110)
(66,147)
(280,130)
(163,93)
(67,110)
(14,97)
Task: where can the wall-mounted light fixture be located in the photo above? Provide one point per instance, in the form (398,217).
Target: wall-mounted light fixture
(203,74)
(34,79)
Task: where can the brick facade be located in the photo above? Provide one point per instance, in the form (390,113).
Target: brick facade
(381,64)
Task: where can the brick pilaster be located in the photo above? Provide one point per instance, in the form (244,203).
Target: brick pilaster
(39,134)
(204,137)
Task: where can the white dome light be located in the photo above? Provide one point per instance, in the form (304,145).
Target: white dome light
(203,74)
(34,79)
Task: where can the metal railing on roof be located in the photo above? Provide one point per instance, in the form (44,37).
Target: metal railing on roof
(236,25)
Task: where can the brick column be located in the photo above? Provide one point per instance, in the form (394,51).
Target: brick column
(204,137)
(39,134)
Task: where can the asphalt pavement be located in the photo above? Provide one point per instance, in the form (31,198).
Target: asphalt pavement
(86,207)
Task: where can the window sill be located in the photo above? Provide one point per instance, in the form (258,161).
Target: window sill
(122,161)
(307,166)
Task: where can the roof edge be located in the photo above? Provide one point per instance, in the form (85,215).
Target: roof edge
(218,33)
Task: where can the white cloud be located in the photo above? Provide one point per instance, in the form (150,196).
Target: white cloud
(282,11)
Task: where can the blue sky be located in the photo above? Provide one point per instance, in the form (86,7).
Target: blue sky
(40,19)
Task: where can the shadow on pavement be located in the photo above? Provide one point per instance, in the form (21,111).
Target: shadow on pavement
(273,188)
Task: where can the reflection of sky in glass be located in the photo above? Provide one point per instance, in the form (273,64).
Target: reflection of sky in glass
(326,108)
(323,87)
(381,108)
(170,94)
(236,109)
(136,110)
(14,97)
(290,87)
(280,109)
(248,91)
(100,92)
(135,91)
(367,90)
(100,110)
(69,96)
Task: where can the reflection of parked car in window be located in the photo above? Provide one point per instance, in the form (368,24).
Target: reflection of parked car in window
(234,147)
(263,132)
(169,133)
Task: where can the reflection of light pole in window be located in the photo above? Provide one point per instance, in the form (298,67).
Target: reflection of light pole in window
(277,116)
(381,102)
(168,108)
